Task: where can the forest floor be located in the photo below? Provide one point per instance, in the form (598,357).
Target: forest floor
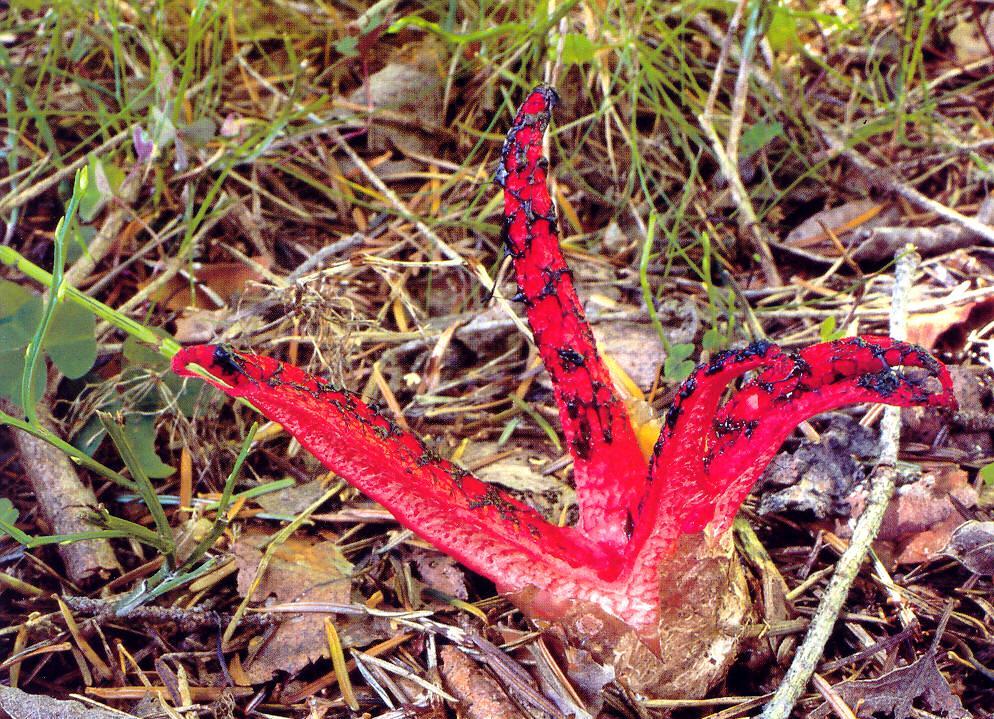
(314,181)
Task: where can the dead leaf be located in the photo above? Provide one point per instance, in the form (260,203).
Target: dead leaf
(441,572)
(838,220)
(521,472)
(485,328)
(410,85)
(170,681)
(972,545)
(921,516)
(480,695)
(635,346)
(614,241)
(293,500)
(967,41)
(894,693)
(21,705)
(189,534)
(300,570)
(432,374)
(199,326)
(216,284)
(925,328)
(926,544)
(404,84)
(238,673)
(949,328)
(922,504)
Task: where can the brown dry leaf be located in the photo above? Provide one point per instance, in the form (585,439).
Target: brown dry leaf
(405,84)
(635,346)
(921,516)
(409,85)
(926,544)
(189,534)
(480,695)
(950,326)
(199,326)
(967,41)
(615,241)
(224,280)
(925,502)
(441,572)
(838,220)
(486,328)
(972,545)
(300,570)
(520,471)
(925,328)
(292,500)
(894,693)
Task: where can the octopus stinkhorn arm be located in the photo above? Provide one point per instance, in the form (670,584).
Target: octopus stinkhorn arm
(608,467)
(638,523)
(480,526)
(709,454)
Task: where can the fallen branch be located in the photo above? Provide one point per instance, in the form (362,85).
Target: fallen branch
(885,180)
(881,243)
(62,499)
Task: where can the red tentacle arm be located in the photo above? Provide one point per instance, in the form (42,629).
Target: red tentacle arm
(476,523)
(609,469)
(823,377)
(709,455)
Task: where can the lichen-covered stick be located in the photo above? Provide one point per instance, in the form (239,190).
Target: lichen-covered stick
(646,580)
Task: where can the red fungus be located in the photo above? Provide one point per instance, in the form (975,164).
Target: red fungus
(608,466)
(635,519)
